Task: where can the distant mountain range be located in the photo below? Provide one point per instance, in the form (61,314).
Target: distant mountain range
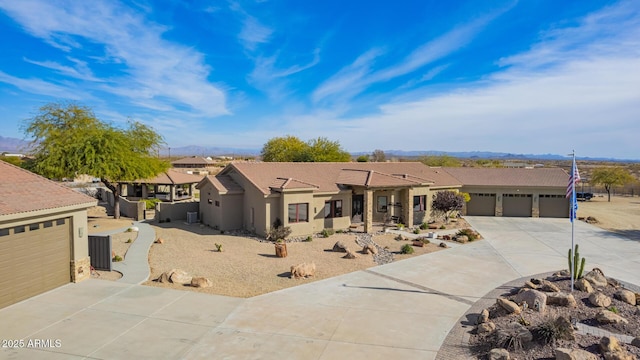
(13,145)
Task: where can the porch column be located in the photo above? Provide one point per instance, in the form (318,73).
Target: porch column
(368,211)
(145,192)
(407,207)
(498,204)
(535,206)
(172,192)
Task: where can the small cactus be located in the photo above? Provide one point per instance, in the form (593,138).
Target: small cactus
(577,269)
(219,247)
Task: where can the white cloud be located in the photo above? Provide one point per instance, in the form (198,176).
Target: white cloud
(41,87)
(253,33)
(156,70)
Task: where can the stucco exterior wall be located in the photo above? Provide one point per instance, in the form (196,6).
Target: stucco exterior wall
(535,192)
(176,211)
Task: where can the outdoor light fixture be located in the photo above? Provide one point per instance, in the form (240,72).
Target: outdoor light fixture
(80,231)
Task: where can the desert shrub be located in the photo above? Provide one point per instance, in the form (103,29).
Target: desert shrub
(339,231)
(128,241)
(551,330)
(219,247)
(326,232)
(309,239)
(425,240)
(407,249)
(117,258)
(442,227)
(468,233)
(613,309)
(424,226)
(399,237)
(276,233)
(150,204)
(416,231)
(400,226)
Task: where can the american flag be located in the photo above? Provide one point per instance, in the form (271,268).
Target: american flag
(574,177)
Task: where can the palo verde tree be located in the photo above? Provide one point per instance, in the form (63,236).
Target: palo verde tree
(611,176)
(292,149)
(445,203)
(68,139)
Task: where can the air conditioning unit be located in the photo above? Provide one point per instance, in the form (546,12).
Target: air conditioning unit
(192,217)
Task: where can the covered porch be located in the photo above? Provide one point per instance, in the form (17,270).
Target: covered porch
(169,186)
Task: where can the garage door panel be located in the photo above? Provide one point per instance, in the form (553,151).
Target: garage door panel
(517,205)
(38,259)
(554,206)
(481,204)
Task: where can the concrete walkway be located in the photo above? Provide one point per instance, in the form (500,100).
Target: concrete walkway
(135,266)
(402,310)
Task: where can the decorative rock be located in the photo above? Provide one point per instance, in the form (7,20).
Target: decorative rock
(369,249)
(599,299)
(574,354)
(613,283)
(499,354)
(530,285)
(608,317)
(562,273)
(178,276)
(164,278)
(636,342)
(487,327)
(340,247)
(625,295)
(443,245)
(483,317)
(637,313)
(133,228)
(159,241)
(462,239)
(584,285)
(509,305)
(350,255)
(637,299)
(418,243)
(596,278)
(561,299)
(303,270)
(609,344)
(534,299)
(545,285)
(564,324)
(200,282)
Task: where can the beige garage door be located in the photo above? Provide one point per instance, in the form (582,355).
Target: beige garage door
(33,259)
(516,205)
(554,206)
(481,204)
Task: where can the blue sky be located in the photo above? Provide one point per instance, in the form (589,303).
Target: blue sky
(540,76)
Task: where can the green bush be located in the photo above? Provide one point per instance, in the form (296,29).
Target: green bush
(339,231)
(425,241)
(613,309)
(309,239)
(326,232)
(407,249)
(442,227)
(128,241)
(150,204)
(416,231)
(117,258)
(424,226)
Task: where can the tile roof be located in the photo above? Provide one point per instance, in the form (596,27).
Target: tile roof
(291,183)
(23,191)
(224,184)
(327,176)
(544,177)
(172,177)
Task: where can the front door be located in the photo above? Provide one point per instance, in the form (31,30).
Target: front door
(357,208)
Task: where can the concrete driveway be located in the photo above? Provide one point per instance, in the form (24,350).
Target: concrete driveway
(402,310)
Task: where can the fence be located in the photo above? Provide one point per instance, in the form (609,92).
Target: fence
(176,211)
(100,252)
(131,209)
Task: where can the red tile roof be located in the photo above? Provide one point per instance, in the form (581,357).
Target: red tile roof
(327,177)
(23,191)
(544,177)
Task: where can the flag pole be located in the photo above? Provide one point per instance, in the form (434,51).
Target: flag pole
(572,213)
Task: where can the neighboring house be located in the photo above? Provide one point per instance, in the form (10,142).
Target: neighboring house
(527,192)
(43,234)
(169,186)
(310,197)
(194,162)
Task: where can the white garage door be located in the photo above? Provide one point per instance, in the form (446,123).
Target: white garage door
(33,259)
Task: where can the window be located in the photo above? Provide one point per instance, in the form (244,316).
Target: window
(18,229)
(4,232)
(420,203)
(34,227)
(332,209)
(298,213)
(217,203)
(60,222)
(382,204)
(48,224)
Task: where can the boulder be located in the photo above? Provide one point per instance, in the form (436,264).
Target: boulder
(528,284)
(200,282)
(613,282)
(164,278)
(303,270)
(178,276)
(584,285)
(159,241)
(625,295)
(596,278)
(340,247)
(599,299)
(574,354)
(443,245)
(499,354)
(637,298)
(636,342)
(608,317)
(369,249)
(637,313)
(566,328)
(487,327)
(483,317)
(350,255)
(562,274)
(462,239)
(534,299)
(510,306)
(561,299)
(611,349)
(545,285)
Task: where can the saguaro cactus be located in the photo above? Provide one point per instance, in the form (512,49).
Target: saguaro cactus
(577,269)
